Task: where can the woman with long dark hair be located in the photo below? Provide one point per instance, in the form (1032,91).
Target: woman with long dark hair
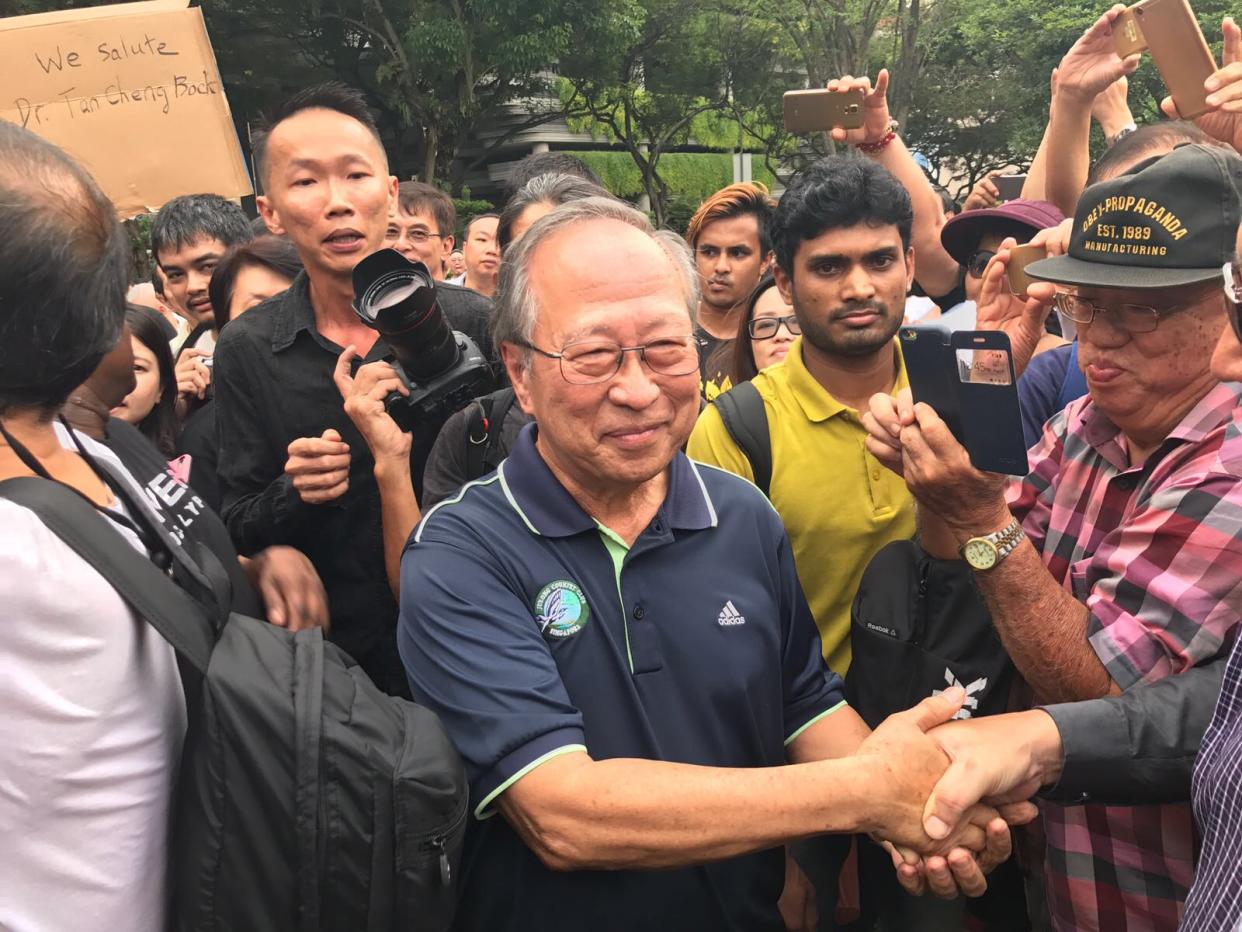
(764,334)
(151,406)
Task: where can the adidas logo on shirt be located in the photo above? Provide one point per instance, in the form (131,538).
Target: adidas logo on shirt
(729,615)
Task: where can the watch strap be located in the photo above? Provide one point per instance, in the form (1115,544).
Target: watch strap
(1010,544)
(1004,540)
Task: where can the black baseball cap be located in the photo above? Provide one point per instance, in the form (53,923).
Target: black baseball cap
(1171,220)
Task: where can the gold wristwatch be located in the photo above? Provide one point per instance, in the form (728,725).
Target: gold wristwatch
(983,553)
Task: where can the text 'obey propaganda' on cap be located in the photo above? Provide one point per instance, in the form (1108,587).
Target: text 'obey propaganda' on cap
(1169,221)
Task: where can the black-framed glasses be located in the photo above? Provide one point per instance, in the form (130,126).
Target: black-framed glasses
(1232,275)
(977,264)
(765,328)
(1133,318)
(587,362)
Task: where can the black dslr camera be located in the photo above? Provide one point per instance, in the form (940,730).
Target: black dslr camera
(443,369)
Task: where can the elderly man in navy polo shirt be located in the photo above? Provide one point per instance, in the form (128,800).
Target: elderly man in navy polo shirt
(615,637)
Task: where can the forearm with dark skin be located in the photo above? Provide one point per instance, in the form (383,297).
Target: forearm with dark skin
(1043,627)
(399,514)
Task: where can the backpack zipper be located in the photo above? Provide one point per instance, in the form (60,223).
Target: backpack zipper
(446,869)
(920,613)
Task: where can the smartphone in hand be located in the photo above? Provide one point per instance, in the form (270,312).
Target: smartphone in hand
(1019,258)
(1168,29)
(821,110)
(967,378)
(1009,186)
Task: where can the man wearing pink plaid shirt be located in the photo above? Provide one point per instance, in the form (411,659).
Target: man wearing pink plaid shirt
(1117,559)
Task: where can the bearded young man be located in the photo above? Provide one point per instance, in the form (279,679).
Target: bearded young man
(844,262)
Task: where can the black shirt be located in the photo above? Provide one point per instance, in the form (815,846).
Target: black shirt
(273,380)
(946,302)
(714,359)
(198,441)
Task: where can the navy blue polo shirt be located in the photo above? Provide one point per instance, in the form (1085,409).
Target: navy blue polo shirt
(534,631)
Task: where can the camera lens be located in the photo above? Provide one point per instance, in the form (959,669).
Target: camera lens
(398,298)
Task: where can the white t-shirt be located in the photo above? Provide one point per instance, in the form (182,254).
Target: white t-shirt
(92,718)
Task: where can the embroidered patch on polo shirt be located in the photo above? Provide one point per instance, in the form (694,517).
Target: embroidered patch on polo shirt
(561,609)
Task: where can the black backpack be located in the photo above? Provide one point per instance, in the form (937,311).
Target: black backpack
(741,409)
(485,450)
(918,625)
(308,799)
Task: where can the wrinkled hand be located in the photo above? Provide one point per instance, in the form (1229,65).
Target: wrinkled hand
(797,905)
(914,442)
(1019,317)
(1224,120)
(192,376)
(962,871)
(884,421)
(319,467)
(292,591)
(875,109)
(905,765)
(983,194)
(1092,64)
(364,396)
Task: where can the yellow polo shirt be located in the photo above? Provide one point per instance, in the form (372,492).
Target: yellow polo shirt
(839,505)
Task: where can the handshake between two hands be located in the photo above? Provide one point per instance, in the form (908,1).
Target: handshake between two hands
(951,790)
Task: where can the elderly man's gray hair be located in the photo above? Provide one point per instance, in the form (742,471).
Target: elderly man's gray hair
(516,306)
(554,190)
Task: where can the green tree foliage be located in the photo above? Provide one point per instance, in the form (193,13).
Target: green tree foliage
(651,77)
(663,67)
(980,101)
(438,70)
(690,176)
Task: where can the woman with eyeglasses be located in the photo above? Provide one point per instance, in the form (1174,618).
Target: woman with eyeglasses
(765,333)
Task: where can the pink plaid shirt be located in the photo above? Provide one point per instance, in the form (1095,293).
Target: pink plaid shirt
(1155,553)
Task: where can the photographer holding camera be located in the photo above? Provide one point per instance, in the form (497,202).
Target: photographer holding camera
(297,466)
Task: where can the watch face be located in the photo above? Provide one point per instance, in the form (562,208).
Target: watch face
(980,554)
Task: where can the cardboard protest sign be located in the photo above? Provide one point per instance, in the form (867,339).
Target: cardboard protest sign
(130,90)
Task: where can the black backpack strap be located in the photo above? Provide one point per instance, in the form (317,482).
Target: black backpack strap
(478,436)
(741,409)
(493,451)
(155,597)
(190,339)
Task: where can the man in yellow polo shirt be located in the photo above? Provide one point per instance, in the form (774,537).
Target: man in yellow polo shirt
(844,263)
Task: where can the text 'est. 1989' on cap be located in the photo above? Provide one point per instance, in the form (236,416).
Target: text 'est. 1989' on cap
(1169,221)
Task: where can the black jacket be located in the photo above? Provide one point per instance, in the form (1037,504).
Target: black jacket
(1139,747)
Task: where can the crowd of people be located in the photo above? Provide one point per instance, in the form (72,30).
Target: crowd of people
(727,629)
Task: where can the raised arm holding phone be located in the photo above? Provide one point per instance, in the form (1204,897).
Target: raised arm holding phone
(937,271)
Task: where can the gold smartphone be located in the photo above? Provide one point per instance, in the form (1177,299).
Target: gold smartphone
(820,110)
(1168,29)
(1019,258)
